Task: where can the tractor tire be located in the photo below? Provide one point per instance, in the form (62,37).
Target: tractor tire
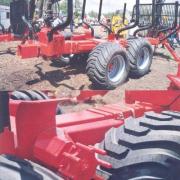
(32,95)
(18,95)
(140,55)
(144,148)
(108,66)
(13,168)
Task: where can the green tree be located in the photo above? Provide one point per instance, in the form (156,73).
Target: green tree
(77,8)
(5,2)
(63,6)
(93,14)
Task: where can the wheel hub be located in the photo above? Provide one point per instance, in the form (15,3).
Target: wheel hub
(144,58)
(116,68)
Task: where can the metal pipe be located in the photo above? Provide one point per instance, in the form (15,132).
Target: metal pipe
(83,15)
(124,12)
(83,9)
(100,10)
(153,19)
(99,18)
(176,4)
(130,26)
(64,24)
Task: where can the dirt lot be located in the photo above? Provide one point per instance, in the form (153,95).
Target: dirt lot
(45,75)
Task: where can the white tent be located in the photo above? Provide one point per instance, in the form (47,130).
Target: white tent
(5,16)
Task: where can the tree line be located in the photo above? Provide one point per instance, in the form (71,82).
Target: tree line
(5,2)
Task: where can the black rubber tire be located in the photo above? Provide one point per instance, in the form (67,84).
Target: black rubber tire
(18,95)
(97,65)
(144,148)
(32,95)
(12,168)
(135,48)
(43,95)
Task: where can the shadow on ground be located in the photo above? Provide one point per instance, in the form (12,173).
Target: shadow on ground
(55,77)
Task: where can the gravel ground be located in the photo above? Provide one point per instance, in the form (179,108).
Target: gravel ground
(44,75)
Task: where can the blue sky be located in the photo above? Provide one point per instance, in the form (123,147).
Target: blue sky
(112,5)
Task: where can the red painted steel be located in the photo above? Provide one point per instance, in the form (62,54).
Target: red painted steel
(62,142)
(65,143)
(175,80)
(157,41)
(9,37)
(6,37)
(7,145)
(77,44)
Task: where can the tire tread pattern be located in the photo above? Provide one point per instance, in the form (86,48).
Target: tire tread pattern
(148,146)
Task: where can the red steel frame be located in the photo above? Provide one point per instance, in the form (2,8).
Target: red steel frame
(78,44)
(65,143)
(7,37)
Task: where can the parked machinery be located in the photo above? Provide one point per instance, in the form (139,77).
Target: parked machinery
(108,64)
(24,20)
(159,22)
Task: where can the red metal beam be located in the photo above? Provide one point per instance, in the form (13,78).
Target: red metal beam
(162,98)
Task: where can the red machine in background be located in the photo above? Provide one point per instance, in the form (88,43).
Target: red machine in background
(160,22)
(110,60)
(108,64)
(21,21)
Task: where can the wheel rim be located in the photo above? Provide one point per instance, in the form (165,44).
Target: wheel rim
(116,68)
(144,58)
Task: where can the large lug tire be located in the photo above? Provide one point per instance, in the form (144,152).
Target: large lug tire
(32,95)
(140,55)
(19,95)
(108,66)
(144,148)
(12,168)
